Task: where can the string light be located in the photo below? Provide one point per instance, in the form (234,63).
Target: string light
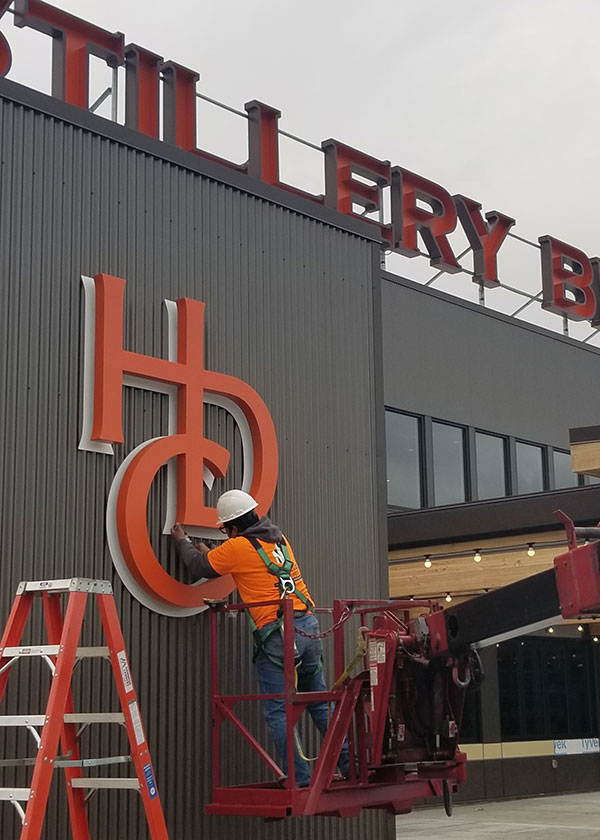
(580,628)
(595,638)
(478,553)
(427,562)
(448,597)
(550,629)
(531,550)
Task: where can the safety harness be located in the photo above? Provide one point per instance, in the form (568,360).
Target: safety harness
(281,568)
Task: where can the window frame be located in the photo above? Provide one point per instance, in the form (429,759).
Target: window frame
(545,474)
(508,484)
(420,418)
(426,467)
(465,462)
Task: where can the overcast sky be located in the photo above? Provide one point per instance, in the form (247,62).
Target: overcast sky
(498,101)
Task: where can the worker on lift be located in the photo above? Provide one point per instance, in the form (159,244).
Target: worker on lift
(254,553)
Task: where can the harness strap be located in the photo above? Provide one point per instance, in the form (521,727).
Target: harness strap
(281,570)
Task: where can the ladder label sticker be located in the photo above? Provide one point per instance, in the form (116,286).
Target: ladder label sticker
(372,650)
(381,652)
(125,672)
(374,675)
(150,781)
(138,729)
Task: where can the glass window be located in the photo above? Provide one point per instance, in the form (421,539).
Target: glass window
(491,466)
(403,460)
(563,474)
(448,464)
(545,688)
(508,690)
(470,726)
(530,468)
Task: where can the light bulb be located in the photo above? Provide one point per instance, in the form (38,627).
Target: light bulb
(427,562)
(595,638)
(477,556)
(448,597)
(531,550)
(580,628)
(550,629)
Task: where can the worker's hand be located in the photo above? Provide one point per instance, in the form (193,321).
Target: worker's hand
(177,532)
(202,547)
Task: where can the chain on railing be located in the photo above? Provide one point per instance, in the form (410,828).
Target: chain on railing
(344,616)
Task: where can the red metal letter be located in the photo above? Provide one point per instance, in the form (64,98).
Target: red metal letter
(342,191)
(565,268)
(5,53)
(485,238)
(5,56)
(263,142)
(141,89)
(192,449)
(408,219)
(73,40)
(179,112)
(179,105)
(595,262)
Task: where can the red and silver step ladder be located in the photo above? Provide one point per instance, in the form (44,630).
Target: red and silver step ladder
(60,722)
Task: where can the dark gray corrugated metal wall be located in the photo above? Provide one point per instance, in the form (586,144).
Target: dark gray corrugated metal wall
(459,362)
(292,308)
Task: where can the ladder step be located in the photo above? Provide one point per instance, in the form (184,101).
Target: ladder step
(21,794)
(95,717)
(99,587)
(77,717)
(112,784)
(92,762)
(52,650)
(66,761)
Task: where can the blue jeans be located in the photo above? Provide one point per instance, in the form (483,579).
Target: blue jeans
(310,678)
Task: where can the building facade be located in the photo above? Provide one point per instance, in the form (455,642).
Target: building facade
(478,412)
(281,279)
(341,391)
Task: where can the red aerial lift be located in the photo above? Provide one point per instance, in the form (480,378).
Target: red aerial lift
(402,712)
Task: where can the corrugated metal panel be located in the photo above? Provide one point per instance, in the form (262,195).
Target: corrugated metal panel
(491,354)
(289,310)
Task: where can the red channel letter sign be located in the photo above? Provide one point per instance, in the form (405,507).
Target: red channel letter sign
(189,384)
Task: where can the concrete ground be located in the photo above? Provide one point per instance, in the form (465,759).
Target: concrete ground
(567,817)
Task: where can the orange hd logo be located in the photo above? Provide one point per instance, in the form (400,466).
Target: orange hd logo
(185,450)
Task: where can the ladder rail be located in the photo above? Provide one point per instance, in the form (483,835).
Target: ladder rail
(58,701)
(129,703)
(59,722)
(55,629)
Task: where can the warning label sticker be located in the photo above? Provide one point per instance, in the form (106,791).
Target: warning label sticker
(372,650)
(137,723)
(374,673)
(380,652)
(150,781)
(125,672)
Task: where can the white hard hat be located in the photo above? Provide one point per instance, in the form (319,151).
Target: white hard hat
(233,504)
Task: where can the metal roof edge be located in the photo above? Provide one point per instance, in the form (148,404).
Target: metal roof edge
(413,285)
(49,105)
